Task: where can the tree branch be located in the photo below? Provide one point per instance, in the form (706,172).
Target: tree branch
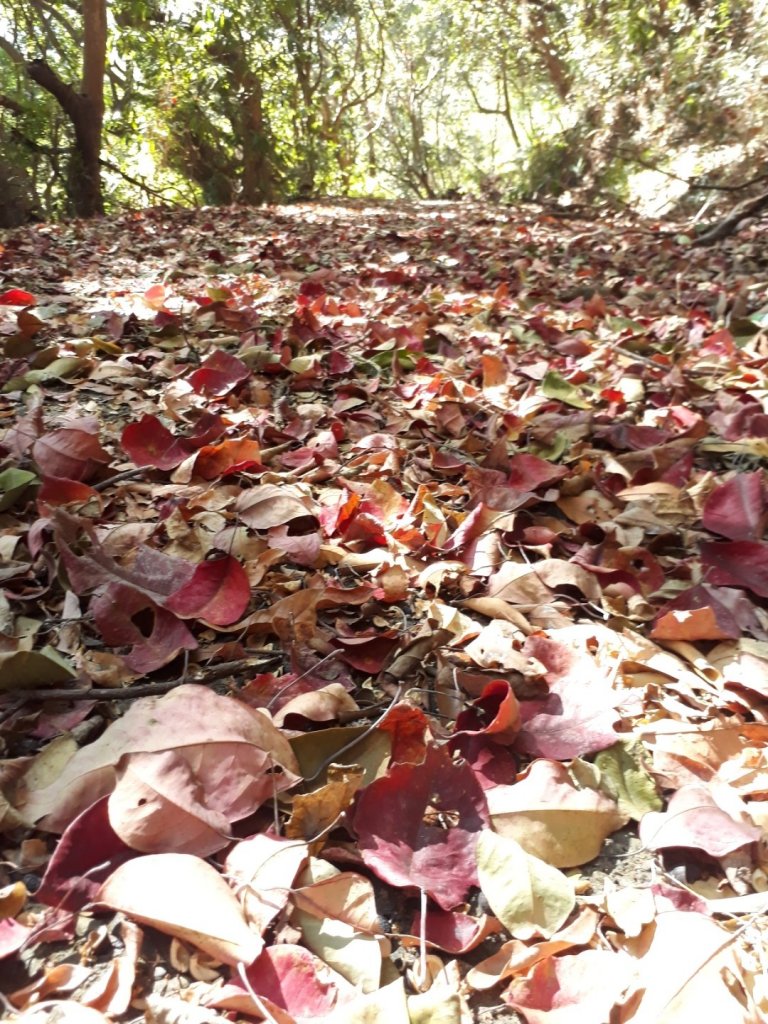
(64,94)
(16,56)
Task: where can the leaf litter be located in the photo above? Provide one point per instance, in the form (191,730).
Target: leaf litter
(372,573)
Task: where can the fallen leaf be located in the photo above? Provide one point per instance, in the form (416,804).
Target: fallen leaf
(553,819)
(232,750)
(183,896)
(528,896)
(418,826)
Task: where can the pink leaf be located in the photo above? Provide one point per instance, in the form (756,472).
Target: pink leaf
(291,979)
(693,819)
(418,825)
(578,715)
(571,989)
(239,758)
(12,937)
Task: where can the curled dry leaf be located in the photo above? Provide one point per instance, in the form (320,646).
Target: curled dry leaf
(236,754)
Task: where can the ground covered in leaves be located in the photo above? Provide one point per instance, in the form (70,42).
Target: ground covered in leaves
(384,623)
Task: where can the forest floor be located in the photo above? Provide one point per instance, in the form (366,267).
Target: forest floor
(384,624)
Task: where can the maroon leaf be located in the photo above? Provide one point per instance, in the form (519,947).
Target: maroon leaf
(126,616)
(86,855)
(418,825)
(738,563)
(738,509)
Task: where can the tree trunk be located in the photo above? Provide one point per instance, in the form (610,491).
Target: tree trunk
(85,109)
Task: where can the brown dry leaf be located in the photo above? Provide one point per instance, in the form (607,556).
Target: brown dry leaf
(516,957)
(324,705)
(185,897)
(60,978)
(681,964)
(111,993)
(631,909)
(312,813)
(494,647)
(551,818)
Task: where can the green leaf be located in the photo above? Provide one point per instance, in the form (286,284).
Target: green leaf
(555,386)
(624,777)
(529,897)
(13,484)
(25,670)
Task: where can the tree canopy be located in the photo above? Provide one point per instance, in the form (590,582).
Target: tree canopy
(113,103)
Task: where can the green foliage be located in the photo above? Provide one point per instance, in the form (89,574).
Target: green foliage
(225,102)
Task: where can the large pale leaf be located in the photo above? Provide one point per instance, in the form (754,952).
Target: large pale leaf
(529,897)
(553,819)
(230,748)
(183,896)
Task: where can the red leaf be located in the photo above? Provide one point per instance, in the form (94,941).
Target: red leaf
(527,472)
(17,297)
(219,374)
(149,443)
(218,592)
(56,490)
(738,509)
(482,731)
(155,296)
(738,563)
(418,825)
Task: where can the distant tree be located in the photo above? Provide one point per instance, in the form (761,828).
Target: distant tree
(84,107)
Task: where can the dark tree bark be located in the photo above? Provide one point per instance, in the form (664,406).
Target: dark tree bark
(725,227)
(85,109)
